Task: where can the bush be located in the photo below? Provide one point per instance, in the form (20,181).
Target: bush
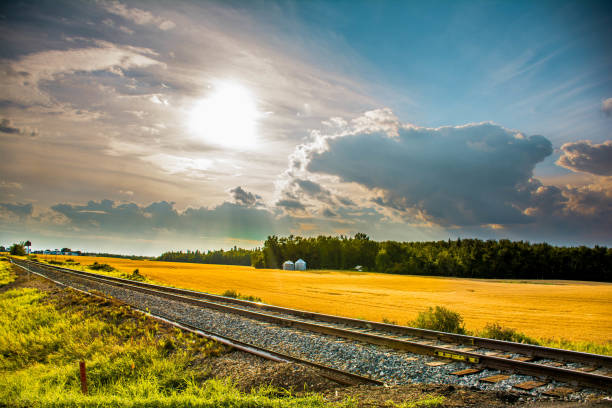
(497,332)
(233,294)
(52,262)
(101,267)
(18,250)
(135,276)
(440,319)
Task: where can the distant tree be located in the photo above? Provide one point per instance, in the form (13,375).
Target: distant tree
(362,236)
(2,248)
(66,250)
(27,244)
(257,260)
(18,249)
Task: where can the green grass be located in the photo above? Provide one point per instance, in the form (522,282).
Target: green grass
(131,362)
(6,276)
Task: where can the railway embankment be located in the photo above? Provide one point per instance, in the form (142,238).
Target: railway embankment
(376,360)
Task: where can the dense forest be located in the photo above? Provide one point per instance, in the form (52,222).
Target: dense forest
(109,255)
(469,258)
(234,256)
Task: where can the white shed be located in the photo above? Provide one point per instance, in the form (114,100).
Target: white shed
(288,266)
(300,265)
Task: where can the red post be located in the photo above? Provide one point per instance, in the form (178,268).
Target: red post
(83,377)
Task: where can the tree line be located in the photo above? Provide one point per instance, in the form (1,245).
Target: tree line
(468,258)
(234,256)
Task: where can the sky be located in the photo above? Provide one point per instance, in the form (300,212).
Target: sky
(137,127)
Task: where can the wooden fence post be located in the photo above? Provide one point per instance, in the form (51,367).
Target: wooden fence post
(83,377)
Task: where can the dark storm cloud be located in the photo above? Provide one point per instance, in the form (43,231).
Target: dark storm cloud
(7,127)
(345,201)
(329,213)
(587,157)
(314,190)
(467,175)
(290,204)
(19,210)
(244,197)
(227,219)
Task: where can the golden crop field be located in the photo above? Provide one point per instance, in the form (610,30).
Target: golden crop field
(574,310)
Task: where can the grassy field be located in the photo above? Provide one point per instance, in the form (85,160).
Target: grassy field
(130,361)
(572,310)
(6,276)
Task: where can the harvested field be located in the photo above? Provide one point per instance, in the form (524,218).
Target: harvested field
(574,310)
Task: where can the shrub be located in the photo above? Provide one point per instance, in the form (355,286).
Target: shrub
(101,267)
(135,276)
(496,331)
(52,262)
(234,294)
(18,249)
(440,319)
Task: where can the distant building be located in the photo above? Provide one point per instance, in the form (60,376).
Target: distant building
(359,268)
(288,266)
(300,265)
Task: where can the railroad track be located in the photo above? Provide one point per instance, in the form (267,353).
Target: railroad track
(575,368)
(339,376)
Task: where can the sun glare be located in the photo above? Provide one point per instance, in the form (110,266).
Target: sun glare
(228,117)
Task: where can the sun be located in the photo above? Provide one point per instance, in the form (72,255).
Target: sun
(228,117)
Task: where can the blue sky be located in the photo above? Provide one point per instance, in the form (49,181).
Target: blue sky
(144,126)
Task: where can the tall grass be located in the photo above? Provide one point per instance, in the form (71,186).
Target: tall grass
(6,276)
(131,362)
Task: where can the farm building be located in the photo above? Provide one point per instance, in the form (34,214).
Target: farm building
(288,266)
(300,265)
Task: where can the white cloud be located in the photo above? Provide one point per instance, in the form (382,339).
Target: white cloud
(138,16)
(587,157)
(606,106)
(158,100)
(20,83)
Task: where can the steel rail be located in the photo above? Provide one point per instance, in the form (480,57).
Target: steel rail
(559,373)
(340,376)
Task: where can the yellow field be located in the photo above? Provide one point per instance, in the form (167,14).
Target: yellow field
(577,311)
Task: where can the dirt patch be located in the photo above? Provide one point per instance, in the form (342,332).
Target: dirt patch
(249,371)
